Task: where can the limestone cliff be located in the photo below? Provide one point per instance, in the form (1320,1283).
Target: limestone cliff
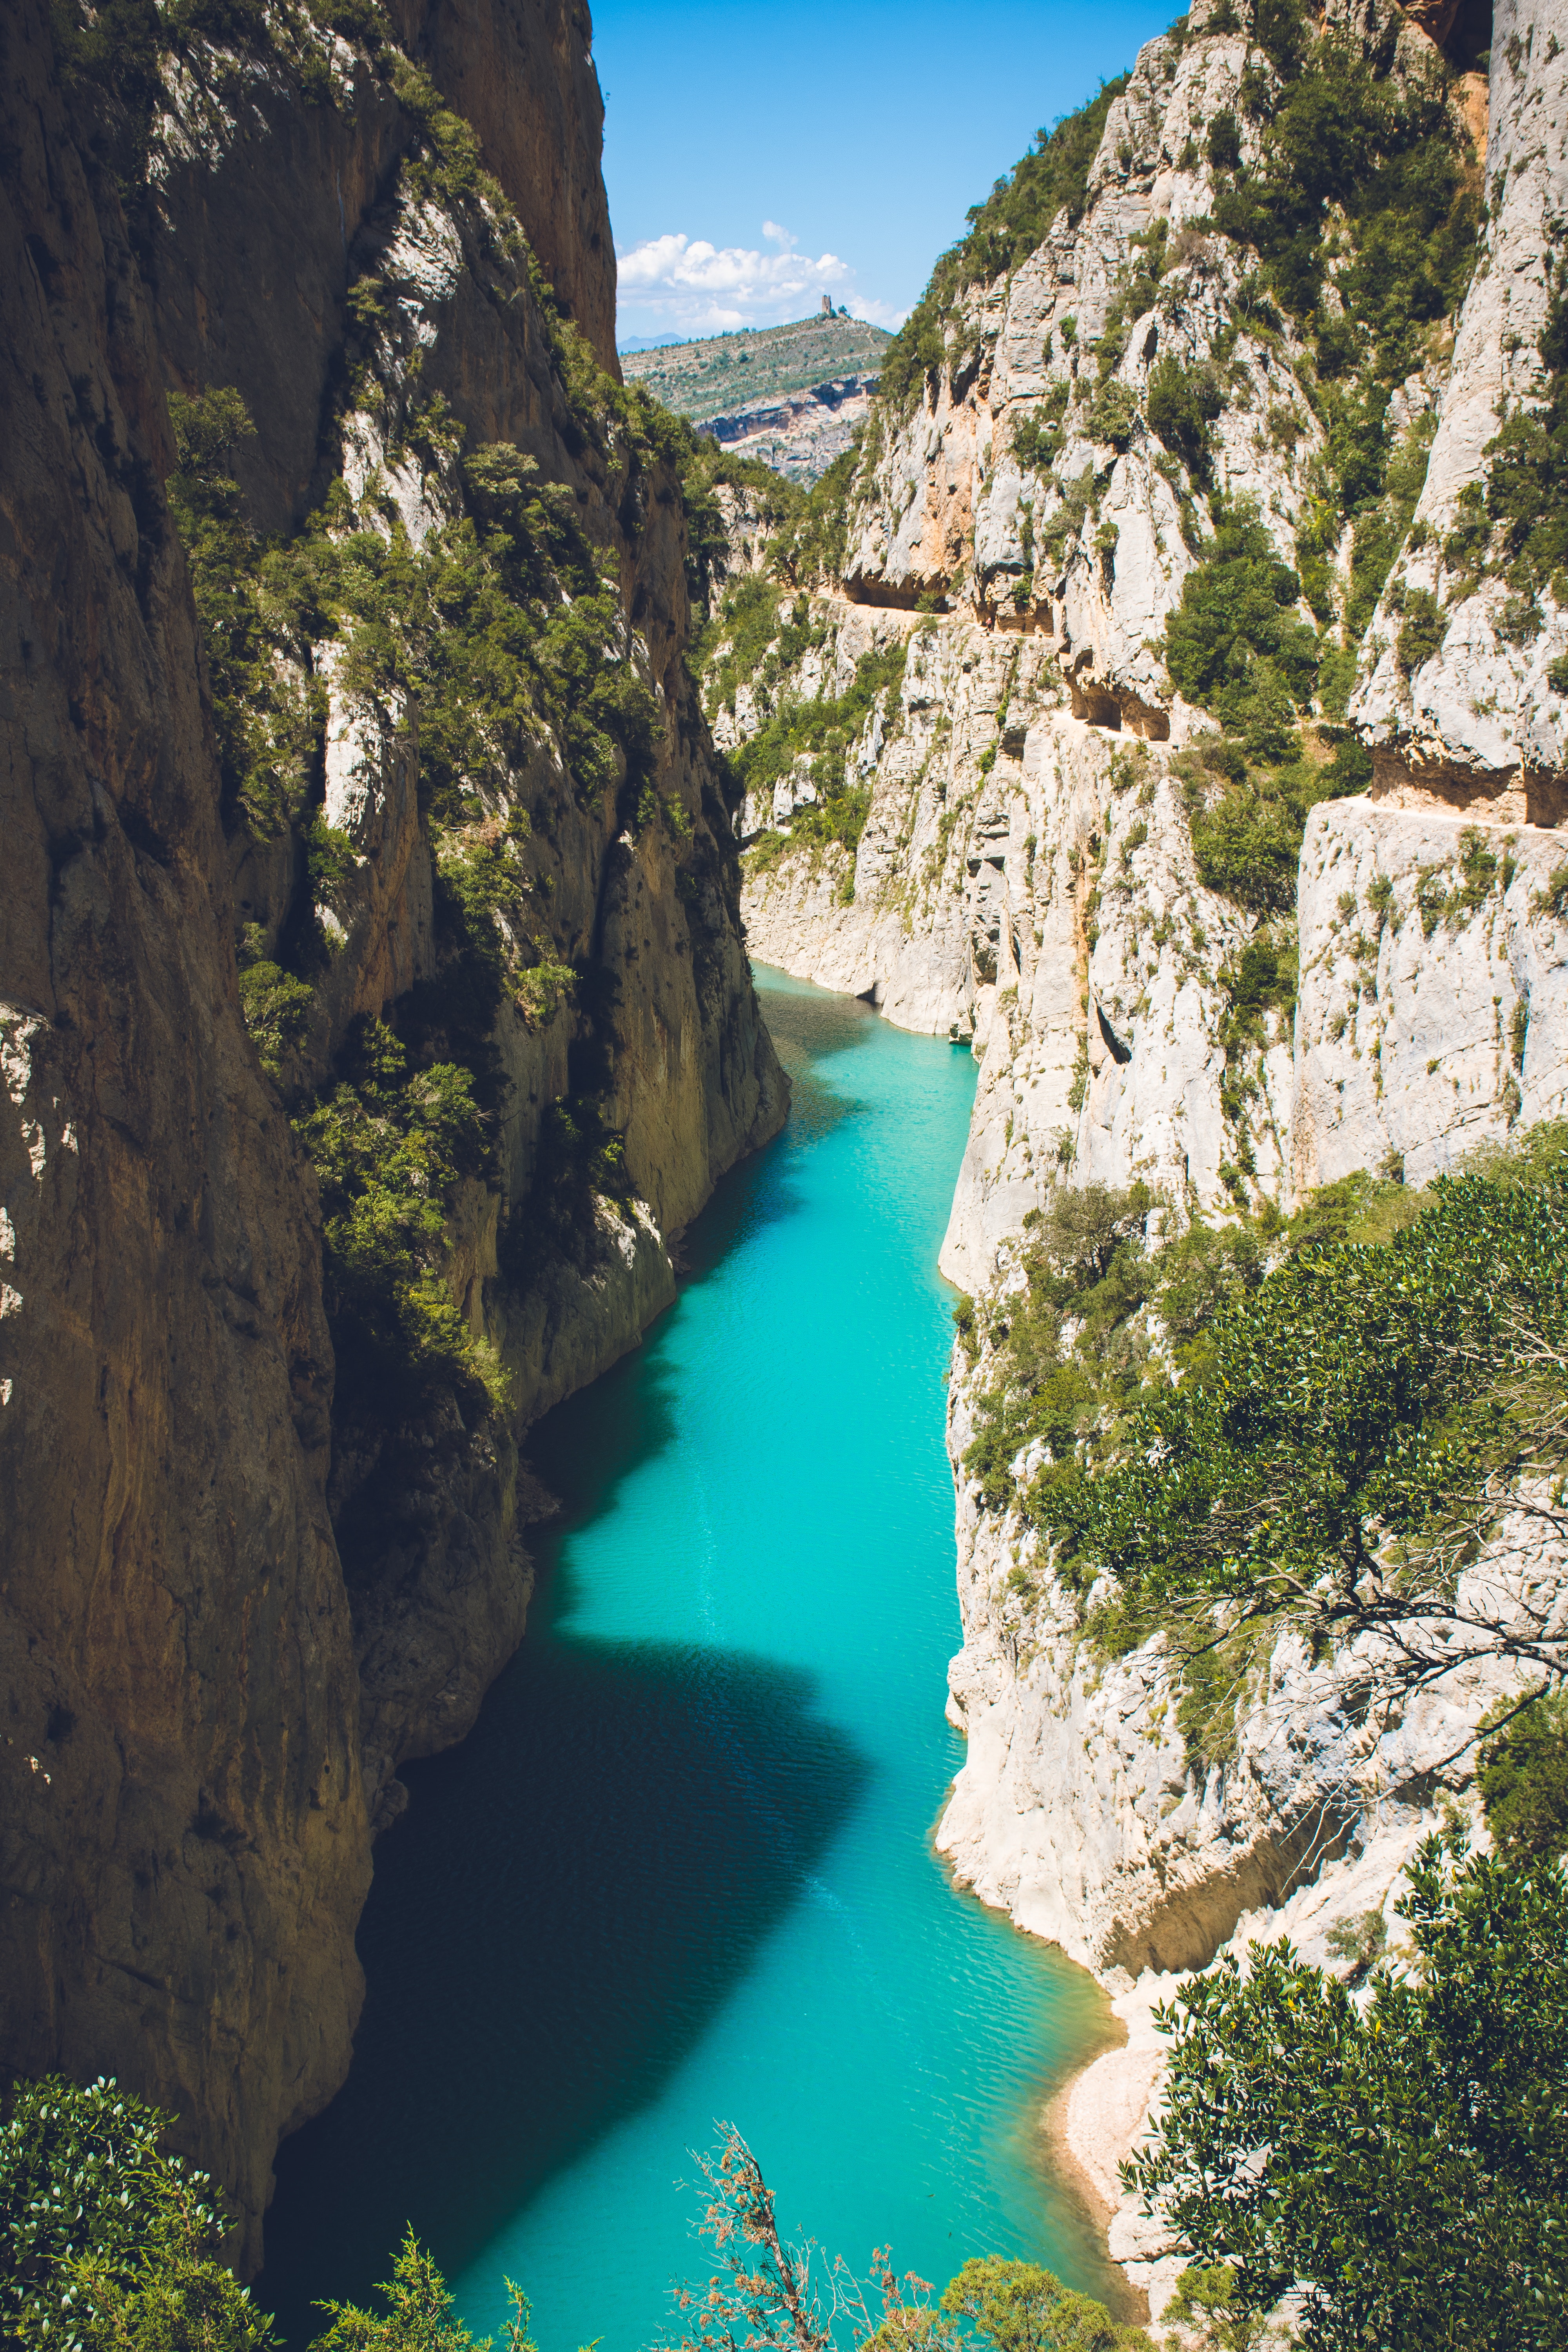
(1032,868)
(296,319)
(1232,954)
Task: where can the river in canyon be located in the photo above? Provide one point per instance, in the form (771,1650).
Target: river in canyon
(682,1871)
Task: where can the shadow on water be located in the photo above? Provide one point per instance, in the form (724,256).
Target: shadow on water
(570,1899)
(574,1891)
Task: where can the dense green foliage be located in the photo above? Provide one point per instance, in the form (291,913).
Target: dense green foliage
(107,2244)
(1349,1400)
(1022,2307)
(505,629)
(1181,403)
(504,625)
(1523,1777)
(390,1146)
(811,546)
(1002,231)
(1405,2164)
(1317,1419)
(704,465)
(821,731)
(1234,643)
(1343,142)
(1315,1416)
(1074,1347)
(267,716)
(1247,817)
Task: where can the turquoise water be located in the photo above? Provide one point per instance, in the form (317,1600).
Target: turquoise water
(682,1869)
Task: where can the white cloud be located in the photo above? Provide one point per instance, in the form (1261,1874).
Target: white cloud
(702,289)
(880,314)
(677,286)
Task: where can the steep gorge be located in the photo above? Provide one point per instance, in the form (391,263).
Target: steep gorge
(409,859)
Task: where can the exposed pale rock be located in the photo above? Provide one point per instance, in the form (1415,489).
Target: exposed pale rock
(1424,1029)
(1470,718)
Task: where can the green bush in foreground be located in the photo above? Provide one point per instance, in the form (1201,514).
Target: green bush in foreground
(1403,2164)
(106,2244)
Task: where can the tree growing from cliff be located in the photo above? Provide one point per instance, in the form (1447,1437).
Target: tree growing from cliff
(1403,2165)
(1373,1416)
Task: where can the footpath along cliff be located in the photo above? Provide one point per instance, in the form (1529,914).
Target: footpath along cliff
(373,1008)
(1170,696)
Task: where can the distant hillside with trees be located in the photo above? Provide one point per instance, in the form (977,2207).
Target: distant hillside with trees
(722,373)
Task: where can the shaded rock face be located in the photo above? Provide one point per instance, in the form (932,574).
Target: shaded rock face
(184,1839)
(230,1604)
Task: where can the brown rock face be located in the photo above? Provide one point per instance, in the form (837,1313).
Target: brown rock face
(229,1605)
(183,1841)
(542,129)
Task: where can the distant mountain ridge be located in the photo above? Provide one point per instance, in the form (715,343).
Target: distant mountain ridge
(722,374)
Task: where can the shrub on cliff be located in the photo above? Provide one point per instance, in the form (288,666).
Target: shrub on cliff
(1344,144)
(1367,1418)
(1234,643)
(1403,2165)
(823,731)
(1181,403)
(391,1146)
(107,2243)
(1527,486)
(1523,1776)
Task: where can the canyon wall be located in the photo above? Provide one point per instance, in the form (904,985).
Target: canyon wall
(252,1557)
(1042,867)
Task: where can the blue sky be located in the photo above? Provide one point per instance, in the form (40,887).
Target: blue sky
(760,157)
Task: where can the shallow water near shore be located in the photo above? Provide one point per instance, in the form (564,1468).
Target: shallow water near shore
(682,1869)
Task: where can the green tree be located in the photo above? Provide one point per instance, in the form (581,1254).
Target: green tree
(1524,1777)
(1404,2165)
(107,2243)
(419,2315)
(1236,645)
(1369,1414)
(1021,2307)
